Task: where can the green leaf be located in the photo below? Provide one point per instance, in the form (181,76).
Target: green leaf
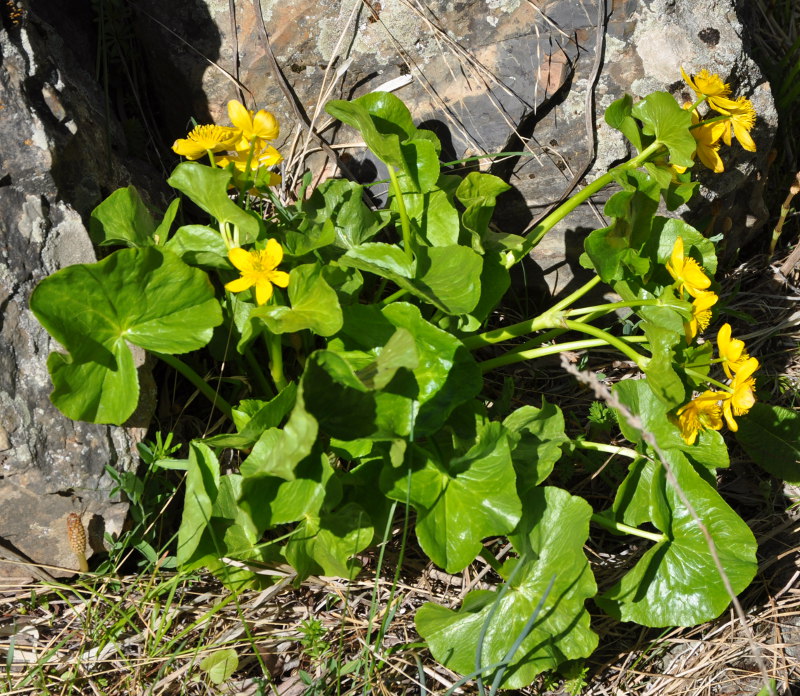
(618,116)
(278,451)
(432,213)
(550,538)
(460,501)
(122,218)
(662,378)
(314,305)
(202,484)
(342,202)
(142,296)
(446,277)
(536,436)
(271,500)
(198,245)
(676,582)
(161,234)
(325,544)
(220,665)
(251,426)
(208,188)
(663,117)
(387,128)
(637,395)
(667,230)
(771,436)
(478,193)
(446,376)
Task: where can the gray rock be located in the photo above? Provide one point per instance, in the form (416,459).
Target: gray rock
(54,168)
(495,74)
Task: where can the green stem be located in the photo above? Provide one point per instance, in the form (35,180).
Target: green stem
(275,351)
(602,447)
(491,560)
(258,375)
(626,529)
(618,343)
(611,306)
(536,234)
(200,384)
(705,378)
(580,292)
(405,223)
(394,296)
(514,356)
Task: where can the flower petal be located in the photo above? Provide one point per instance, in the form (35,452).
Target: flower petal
(280,278)
(273,253)
(265,125)
(263,291)
(188,149)
(240,284)
(241,259)
(239,116)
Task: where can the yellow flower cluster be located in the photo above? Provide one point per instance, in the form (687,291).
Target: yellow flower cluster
(257,269)
(246,144)
(736,118)
(690,278)
(706,412)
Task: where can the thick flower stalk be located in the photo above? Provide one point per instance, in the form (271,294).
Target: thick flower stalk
(257,268)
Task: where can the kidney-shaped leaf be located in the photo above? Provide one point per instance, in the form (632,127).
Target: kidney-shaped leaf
(676,583)
(462,501)
(550,539)
(142,296)
(315,305)
(122,218)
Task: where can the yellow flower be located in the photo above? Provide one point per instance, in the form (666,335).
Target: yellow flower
(711,87)
(268,156)
(742,395)
(258,268)
(742,119)
(686,271)
(701,413)
(707,137)
(731,350)
(701,315)
(261,124)
(204,138)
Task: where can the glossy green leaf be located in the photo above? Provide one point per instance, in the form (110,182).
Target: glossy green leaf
(142,296)
(618,116)
(676,582)
(662,378)
(272,500)
(771,436)
(122,218)
(161,234)
(554,527)
(326,544)
(447,277)
(663,117)
(433,215)
(478,194)
(252,425)
(278,451)
(461,501)
(667,230)
(208,188)
(446,376)
(536,435)
(387,128)
(314,305)
(198,245)
(202,484)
